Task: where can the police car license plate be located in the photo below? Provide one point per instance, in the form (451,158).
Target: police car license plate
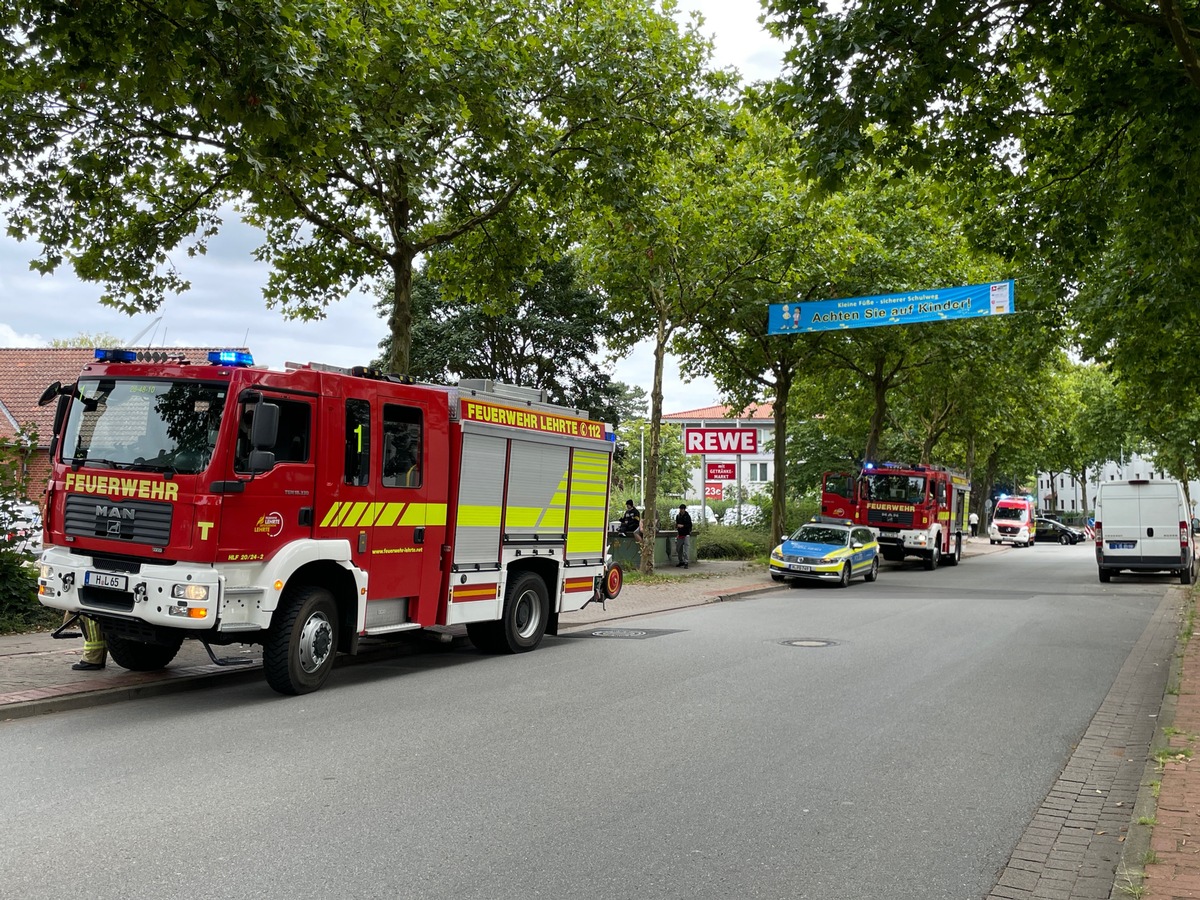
(1121,545)
(105,580)
(799,568)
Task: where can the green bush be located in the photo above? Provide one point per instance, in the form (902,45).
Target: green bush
(20,610)
(721,542)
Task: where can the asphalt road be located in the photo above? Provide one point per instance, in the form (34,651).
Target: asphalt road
(891,740)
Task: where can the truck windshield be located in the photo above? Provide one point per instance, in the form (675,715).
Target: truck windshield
(143,425)
(896,488)
(1014,513)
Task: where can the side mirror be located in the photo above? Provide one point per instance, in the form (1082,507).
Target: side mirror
(50,393)
(265,429)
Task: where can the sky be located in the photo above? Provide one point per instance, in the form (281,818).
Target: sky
(225,306)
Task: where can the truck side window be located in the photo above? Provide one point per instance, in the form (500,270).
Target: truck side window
(358,442)
(292,441)
(402,442)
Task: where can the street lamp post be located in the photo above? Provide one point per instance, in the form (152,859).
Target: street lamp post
(642,462)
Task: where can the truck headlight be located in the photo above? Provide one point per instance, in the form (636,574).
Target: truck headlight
(190,592)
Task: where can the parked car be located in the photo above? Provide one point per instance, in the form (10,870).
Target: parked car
(708,516)
(745,514)
(826,549)
(21,527)
(1055,532)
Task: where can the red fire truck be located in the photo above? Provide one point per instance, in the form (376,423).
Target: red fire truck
(310,508)
(917,510)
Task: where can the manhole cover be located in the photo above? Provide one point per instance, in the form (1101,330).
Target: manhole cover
(626,633)
(808,642)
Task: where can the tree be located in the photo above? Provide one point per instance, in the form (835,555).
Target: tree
(357,136)
(1070,127)
(549,338)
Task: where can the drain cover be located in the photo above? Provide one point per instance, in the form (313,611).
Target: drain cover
(626,633)
(808,642)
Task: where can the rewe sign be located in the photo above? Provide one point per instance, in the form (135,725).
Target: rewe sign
(720,440)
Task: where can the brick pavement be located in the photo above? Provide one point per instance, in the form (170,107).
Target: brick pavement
(1173,866)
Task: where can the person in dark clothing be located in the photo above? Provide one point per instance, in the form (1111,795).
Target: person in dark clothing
(631,521)
(683,528)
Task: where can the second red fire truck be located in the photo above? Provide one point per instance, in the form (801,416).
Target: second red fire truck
(917,510)
(311,508)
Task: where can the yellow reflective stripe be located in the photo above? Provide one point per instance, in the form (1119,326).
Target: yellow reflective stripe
(477,516)
(553,519)
(587,519)
(331,516)
(385,515)
(585,542)
(522,516)
(391,512)
(370,514)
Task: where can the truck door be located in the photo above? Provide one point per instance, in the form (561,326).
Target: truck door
(261,512)
(391,508)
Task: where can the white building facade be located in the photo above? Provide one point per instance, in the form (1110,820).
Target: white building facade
(736,477)
(1060,493)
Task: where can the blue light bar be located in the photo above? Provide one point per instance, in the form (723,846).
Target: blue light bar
(231,358)
(109,354)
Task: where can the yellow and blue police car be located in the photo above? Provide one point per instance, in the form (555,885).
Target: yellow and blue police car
(827,549)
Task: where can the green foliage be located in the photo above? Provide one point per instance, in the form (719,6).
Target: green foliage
(720,542)
(547,336)
(357,136)
(20,610)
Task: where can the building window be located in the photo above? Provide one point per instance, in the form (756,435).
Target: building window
(758,472)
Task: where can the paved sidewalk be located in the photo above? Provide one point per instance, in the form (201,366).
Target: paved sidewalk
(1096,832)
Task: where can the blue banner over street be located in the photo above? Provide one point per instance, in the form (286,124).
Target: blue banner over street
(939,305)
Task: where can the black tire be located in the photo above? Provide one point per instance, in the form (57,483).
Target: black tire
(486,637)
(299,652)
(993,543)
(844,578)
(1185,575)
(523,622)
(1064,539)
(1105,576)
(775,577)
(873,573)
(141,657)
(933,558)
(953,558)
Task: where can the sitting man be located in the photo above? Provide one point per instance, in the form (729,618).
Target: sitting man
(631,521)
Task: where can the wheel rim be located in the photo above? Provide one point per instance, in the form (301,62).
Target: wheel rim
(875,567)
(527,615)
(316,642)
(845,574)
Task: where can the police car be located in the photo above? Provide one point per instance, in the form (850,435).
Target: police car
(827,549)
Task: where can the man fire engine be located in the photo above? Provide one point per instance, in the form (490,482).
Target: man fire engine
(309,508)
(917,510)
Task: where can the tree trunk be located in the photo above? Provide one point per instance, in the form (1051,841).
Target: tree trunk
(400,318)
(878,415)
(650,513)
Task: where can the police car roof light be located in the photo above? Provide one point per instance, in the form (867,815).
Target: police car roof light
(111,354)
(231,358)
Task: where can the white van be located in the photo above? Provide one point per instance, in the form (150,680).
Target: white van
(1144,526)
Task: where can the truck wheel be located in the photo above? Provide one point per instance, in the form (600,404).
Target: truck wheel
(1185,575)
(299,651)
(934,557)
(141,657)
(526,611)
(614,579)
(953,558)
(1105,576)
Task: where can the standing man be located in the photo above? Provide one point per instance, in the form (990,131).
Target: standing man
(973,519)
(683,528)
